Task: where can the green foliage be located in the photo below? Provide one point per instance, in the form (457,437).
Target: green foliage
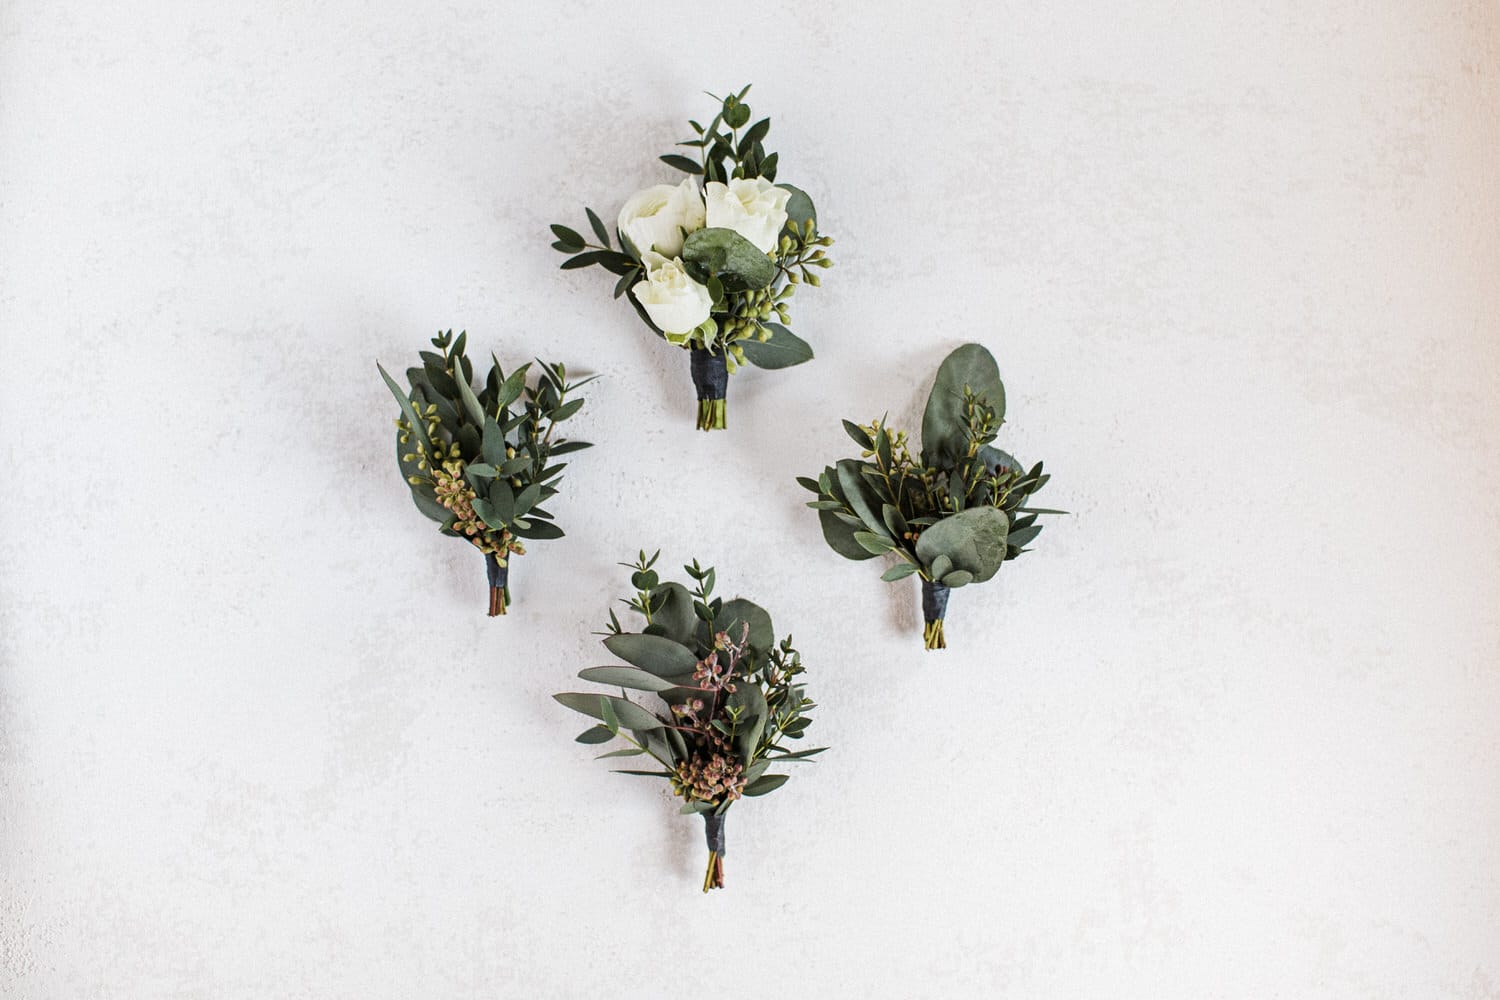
(729,696)
(480,462)
(956,516)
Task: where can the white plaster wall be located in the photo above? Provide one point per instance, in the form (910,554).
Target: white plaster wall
(1233,730)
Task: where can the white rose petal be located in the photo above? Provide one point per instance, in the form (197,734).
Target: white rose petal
(753,207)
(654,219)
(676,303)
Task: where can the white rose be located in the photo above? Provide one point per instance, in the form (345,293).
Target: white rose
(676,303)
(754,207)
(655,218)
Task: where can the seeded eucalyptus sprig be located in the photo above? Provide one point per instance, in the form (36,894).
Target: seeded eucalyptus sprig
(955,515)
(711,264)
(481,463)
(730,697)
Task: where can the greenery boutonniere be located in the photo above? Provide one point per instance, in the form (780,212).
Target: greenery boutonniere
(954,517)
(730,697)
(481,463)
(707,263)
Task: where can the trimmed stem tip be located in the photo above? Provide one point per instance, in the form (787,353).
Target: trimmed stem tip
(711,415)
(714,877)
(934,608)
(713,832)
(499,577)
(710,371)
(932,635)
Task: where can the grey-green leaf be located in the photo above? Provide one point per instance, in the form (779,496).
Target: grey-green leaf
(726,255)
(973,540)
(944,428)
(630,715)
(626,677)
(900,571)
(783,350)
(653,653)
(840,537)
(765,783)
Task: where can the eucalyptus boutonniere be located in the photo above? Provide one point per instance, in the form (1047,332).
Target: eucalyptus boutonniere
(728,697)
(481,462)
(955,513)
(710,264)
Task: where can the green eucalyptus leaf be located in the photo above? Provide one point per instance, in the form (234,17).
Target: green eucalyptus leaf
(873,543)
(958,578)
(672,613)
(762,634)
(840,536)
(783,350)
(725,254)
(596,734)
(799,209)
(858,494)
(629,714)
(900,571)
(765,783)
(653,653)
(973,540)
(626,677)
(944,429)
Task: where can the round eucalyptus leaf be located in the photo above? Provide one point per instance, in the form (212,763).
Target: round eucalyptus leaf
(762,634)
(726,255)
(973,540)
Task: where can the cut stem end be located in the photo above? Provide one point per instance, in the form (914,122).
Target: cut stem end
(932,635)
(714,877)
(711,415)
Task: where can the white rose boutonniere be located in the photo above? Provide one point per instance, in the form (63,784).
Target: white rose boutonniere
(711,264)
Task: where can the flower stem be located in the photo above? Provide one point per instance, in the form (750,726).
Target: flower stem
(713,830)
(710,373)
(714,877)
(499,576)
(934,609)
(932,635)
(711,415)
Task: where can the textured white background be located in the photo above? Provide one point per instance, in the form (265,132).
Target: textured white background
(1232,730)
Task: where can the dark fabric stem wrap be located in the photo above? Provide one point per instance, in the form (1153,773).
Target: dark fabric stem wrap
(710,373)
(713,831)
(499,575)
(934,601)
